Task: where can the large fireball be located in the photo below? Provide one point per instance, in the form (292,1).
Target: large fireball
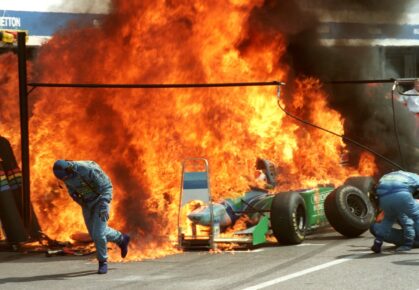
(140,137)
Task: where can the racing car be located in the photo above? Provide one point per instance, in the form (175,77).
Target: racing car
(288,216)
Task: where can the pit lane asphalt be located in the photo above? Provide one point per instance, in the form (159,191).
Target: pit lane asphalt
(325,260)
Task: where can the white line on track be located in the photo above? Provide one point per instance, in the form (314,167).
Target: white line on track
(248,251)
(304,272)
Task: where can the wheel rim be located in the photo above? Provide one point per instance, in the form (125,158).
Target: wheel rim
(357,205)
(301,218)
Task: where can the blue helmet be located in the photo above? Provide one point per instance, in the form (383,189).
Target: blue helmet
(62,169)
(269,169)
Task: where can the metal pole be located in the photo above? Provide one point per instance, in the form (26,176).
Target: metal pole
(24,127)
(157,86)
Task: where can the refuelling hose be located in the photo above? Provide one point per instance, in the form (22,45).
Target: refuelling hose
(336,134)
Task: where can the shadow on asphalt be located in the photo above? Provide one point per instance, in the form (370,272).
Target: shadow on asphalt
(325,238)
(386,250)
(370,255)
(62,276)
(414,262)
(366,253)
(34,257)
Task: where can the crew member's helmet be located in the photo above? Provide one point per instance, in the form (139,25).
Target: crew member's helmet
(62,169)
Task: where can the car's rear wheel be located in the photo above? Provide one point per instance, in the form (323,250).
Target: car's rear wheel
(288,218)
(349,211)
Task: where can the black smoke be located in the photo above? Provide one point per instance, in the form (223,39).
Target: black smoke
(367,109)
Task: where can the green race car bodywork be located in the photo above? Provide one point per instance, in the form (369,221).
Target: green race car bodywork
(289,215)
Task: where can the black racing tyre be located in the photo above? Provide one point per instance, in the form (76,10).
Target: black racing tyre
(288,218)
(363,183)
(349,211)
(366,185)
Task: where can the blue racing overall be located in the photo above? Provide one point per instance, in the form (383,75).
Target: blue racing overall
(91,188)
(395,236)
(394,192)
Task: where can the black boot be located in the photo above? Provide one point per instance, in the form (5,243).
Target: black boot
(103,267)
(376,247)
(123,245)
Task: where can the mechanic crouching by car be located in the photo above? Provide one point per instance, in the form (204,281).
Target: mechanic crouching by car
(394,236)
(91,188)
(394,192)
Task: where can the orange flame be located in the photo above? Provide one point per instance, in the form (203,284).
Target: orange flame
(140,137)
(367,166)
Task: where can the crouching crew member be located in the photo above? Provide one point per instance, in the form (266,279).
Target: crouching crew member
(395,236)
(91,188)
(394,192)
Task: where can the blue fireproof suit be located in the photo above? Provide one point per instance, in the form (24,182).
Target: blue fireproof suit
(91,188)
(394,192)
(395,236)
